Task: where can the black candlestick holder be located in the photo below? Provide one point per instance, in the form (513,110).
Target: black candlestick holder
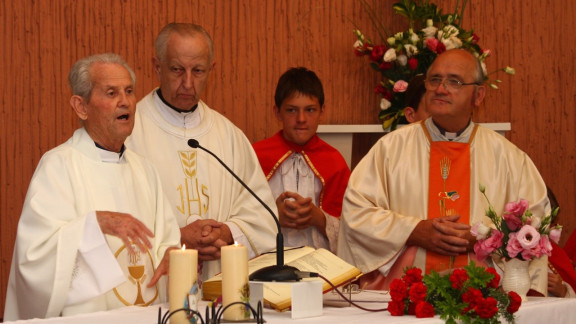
(214,315)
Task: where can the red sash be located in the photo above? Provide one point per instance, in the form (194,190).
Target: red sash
(448,192)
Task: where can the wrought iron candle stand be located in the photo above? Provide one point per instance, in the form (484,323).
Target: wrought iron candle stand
(213,315)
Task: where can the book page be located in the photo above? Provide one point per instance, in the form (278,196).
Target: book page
(268,259)
(328,265)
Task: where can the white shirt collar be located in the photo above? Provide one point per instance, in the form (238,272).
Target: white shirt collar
(109,156)
(186,120)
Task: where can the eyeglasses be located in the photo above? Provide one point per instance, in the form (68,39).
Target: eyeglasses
(449,84)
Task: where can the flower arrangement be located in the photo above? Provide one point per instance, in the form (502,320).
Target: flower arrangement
(467,295)
(405,54)
(517,234)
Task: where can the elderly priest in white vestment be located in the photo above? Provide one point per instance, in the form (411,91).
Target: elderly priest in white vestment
(212,208)
(95,231)
(412,198)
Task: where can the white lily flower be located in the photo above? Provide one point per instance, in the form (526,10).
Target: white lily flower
(385,104)
(450,31)
(402,60)
(414,38)
(390,55)
(429,32)
(452,43)
(411,50)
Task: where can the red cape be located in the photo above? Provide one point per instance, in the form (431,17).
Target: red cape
(570,246)
(563,265)
(325,161)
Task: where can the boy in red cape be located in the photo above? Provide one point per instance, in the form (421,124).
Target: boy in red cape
(307,176)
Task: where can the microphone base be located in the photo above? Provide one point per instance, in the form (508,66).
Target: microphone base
(275,273)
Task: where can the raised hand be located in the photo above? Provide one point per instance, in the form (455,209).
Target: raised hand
(127,228)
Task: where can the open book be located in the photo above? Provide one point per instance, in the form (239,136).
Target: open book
(278,296)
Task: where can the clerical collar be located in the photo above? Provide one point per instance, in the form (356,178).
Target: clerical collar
(449,135)
(176,109)
(437,135)
(186,120)
(110,156)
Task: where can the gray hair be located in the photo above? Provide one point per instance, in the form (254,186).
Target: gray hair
(184,29)
(80,78)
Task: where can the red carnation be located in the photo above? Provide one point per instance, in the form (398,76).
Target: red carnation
(487,308)
(380,89)
(458,277)
(475,38)
(377,53)
(440,48)
(472,296)
(398,290)
(359,52)
(515,302)
(424,309)
(496,280)
(417,292)
(385,66)
(396,308)
(413,275)
(388,95)
(413,63)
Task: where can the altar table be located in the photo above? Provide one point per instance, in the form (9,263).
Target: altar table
(537,310)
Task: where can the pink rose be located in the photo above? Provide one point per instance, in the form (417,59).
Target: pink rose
(432,44)
(513,247)
(543,247)
(435,45)
(528,237)
(512,221)
(400,86)
(483,248)
(555,234)
(517,207)
(480,231)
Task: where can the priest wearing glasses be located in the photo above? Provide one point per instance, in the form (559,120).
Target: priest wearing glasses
(412,199)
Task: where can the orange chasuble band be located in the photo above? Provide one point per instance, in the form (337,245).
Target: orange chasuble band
(448,193)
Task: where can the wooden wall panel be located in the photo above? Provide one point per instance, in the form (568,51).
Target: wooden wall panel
(255,42)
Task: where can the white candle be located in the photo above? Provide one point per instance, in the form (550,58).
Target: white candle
(235,281)
(181,277)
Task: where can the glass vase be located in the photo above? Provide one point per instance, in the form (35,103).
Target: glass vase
(516,277)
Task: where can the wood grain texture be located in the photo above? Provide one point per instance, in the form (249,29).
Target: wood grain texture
(255,42)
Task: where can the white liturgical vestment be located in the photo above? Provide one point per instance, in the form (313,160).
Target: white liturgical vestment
(196,185)
(70,183)
(387,194)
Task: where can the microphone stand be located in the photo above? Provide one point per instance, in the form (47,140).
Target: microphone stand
(280,271)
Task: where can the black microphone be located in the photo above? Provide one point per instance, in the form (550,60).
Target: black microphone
(278,272)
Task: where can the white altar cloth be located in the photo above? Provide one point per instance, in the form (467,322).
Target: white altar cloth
(537,310)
